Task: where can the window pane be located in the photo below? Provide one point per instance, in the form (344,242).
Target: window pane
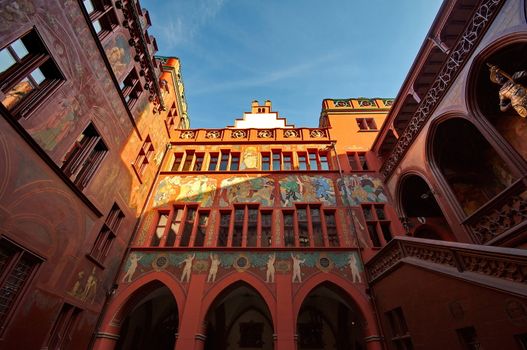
(289,233)
(177,162)
(266,161)
(362,161)
(235,162)
(313,161)
(324,162)
(19,48)
(223,236)
(224,161)
(188,161)
(277,161)
(6,60)
(213,162)
(88,6)
(368,213)
(198,163)
(353,161)
(38,76)
(380,213)
(97,26)
(287,162)
(302,163)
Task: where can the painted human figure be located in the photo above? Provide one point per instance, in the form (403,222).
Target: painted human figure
(188,267)
(354,268)
(91,287)
(214,264)
(134,259)
(76,291)
(297,273)
(269,277)
(512,93)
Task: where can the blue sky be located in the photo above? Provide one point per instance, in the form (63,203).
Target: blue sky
(294,53)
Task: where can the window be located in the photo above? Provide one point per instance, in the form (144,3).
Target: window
(178,158)
(289,230)
(198,163)
(235,161)
(108,232)
(357,161)
(17,267)
(318,161)
(399,330)
(288,161)
(366,124)
(28,75)
(189,158)
(224,163)
(377,223)
(331,228)
(277,160)
(302,161)
(313,165)
(102,16)
(182,226)
(213,162)
(171,117)
(131,88)
(84,157)
(61,333)
(145,155)
(266,223)
(309,226)
(246,227)
(266,162)
(225,223)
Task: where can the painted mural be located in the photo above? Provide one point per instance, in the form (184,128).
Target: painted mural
(262,264)
(249,158)
(362,189)
(245,189)
(304,188)
(118,53)
(200,189)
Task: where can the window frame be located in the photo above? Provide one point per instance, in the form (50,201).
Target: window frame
(180,226)
(377,223)
(131,88)
(358,161)
(38,57)
(144,157)
(104,14)
(106,236)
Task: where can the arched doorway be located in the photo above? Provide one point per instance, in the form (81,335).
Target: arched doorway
(239,319)
(152,320)
(329,319)
(424,217)
(484,95)
(472,168)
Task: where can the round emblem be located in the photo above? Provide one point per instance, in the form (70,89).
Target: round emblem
(160,262)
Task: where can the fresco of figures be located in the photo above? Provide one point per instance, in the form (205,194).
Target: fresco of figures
(265,265)
(200,189)
(245,189)
(304,188)
(361,189)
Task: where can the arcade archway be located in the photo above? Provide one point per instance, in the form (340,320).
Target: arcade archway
(239,318)
(329,319)
(152,321)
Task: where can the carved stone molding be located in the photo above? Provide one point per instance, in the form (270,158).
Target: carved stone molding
(476,27)
(213,134)
(384,263)
(239,134)
(265,134)
(291,133)
(187,135)
(317,133)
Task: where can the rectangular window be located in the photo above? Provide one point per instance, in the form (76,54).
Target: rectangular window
(377,223)
(178,158)
(107,234)
(331,228)
(235,161)
(266,162)
(203,220)
(237,232)
(198,163)
(289,231)
(302,161)
(266,223)
(213,161)
(288,161)
(28,75)
(252,226)
(159,229)
(62,331)
(171,117)
(144,157)
(84,157)
(324,164)
(102,15)
(17,267)
(189,158)
(131,88)
(400,335)
(224,164)
(313,165)
(358,161)
(366,124)
(277,160)
(303,223)
(225,224)
(188,226)
(177,217)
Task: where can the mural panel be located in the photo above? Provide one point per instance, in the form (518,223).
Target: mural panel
(200,189)
(118,53)
(304,188)
(245,189)
(362,189)
(262,264)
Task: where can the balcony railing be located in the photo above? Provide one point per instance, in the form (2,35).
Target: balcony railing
(245,135)
(501,268)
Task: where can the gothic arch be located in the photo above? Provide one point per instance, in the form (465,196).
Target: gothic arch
(127,298)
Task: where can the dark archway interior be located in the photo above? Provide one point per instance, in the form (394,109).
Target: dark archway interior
(509,124)
(328,320)
(152,323)
(470,165)
(239,319)
(417,198)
